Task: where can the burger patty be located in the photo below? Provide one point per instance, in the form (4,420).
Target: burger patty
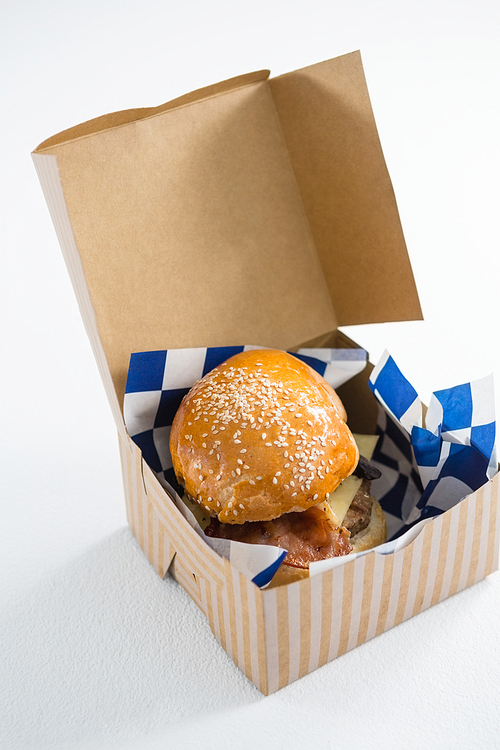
(358,516)
(308,536)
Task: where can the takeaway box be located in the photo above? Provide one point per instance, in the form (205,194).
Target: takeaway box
(255,211)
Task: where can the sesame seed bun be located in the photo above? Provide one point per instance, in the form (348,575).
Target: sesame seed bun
(261,435)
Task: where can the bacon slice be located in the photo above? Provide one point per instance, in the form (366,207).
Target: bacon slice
(308,536)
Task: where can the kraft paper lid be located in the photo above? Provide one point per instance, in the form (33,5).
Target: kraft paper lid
(254,211)
(331,136)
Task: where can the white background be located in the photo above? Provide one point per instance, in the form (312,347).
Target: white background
(96,651)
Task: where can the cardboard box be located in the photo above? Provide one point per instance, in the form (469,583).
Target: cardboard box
(256,211)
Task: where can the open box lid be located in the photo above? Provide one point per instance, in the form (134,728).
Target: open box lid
(256,211)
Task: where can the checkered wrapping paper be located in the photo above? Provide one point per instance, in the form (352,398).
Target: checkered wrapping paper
(156,384)
(429,467)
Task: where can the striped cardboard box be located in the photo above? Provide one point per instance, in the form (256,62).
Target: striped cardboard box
(278,635)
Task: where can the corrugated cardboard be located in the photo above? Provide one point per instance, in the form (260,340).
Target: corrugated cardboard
(258,210)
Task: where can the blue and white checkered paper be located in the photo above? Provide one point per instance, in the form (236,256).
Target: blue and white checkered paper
(430,460)
(156,384)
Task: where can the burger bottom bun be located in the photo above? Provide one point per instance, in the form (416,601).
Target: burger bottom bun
(374,534)
(288,574)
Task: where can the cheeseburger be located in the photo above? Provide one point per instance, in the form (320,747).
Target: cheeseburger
(261,446)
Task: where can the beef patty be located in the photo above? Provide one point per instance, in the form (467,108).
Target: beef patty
(358,516)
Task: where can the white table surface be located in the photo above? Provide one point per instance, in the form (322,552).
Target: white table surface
(96,651)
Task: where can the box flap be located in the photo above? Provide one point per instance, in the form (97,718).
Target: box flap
(191,230)
(115,119)
(332,139)
(212,220)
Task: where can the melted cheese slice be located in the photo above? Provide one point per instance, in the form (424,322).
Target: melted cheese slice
(341,498)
